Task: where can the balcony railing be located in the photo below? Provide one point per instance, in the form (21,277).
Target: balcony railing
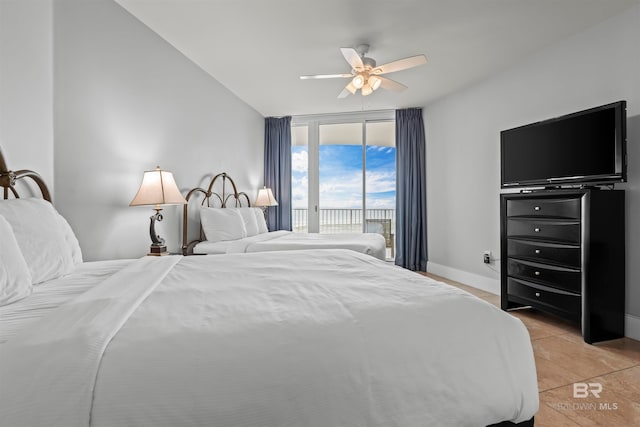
(351,221)
(340,220)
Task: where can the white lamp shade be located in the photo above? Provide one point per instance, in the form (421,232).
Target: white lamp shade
(374,82)
(265,198)
(358,81)
(366,89)
(158,188)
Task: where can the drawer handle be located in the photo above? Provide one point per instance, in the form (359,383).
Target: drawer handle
(537,230)
(537,208)
(538,251)
(537,294)
(537,273)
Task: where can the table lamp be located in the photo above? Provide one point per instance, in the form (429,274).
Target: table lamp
(158,188)
(265,199)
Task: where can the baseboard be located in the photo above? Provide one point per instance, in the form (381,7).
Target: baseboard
(474,280)
(631,324)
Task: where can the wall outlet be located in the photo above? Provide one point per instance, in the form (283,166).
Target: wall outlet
(486,257)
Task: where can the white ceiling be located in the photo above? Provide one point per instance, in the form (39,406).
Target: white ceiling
(259,48)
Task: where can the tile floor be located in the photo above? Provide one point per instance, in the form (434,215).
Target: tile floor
(563,358)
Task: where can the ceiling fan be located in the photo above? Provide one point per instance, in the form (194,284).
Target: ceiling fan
(366,75)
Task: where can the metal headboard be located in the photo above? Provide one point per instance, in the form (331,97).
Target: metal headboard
(8,180)
(222,199)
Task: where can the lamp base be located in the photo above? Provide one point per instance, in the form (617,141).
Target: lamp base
(158,250)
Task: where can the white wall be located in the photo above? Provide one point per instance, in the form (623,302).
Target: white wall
(126,101)
(595,67)
(26,86)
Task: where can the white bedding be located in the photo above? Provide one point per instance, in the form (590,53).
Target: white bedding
(300,338)
(367,243)
(52,294)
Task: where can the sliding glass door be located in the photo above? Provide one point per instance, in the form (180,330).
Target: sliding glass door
(380,182)
(340,178)
(343,175)
(300,178)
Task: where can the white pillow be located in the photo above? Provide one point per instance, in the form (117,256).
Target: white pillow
(262,223)
(250,222)
(70,239)
(221,224)
(37,229)
(15,279)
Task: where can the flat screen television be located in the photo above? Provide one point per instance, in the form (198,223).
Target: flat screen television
(583,148)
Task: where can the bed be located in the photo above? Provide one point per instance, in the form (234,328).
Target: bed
(321,337)
(240,228)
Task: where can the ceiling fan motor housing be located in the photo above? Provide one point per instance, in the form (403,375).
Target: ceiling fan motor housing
(369,63)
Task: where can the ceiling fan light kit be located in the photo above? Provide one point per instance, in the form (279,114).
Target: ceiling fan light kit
(358,81)
(375,82)
(365,75)
(366,90)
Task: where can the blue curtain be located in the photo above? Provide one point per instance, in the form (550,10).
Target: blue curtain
(411,192)
(277,170)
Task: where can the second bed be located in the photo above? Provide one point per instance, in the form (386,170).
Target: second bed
(229,225)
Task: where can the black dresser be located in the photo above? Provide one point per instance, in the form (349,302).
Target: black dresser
(563,252)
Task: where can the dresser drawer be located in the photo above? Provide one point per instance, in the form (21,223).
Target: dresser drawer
(553,253)
(555,231)
(556,277)
(560,302)
(556,208)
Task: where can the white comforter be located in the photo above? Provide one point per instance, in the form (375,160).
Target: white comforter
(304,338)
(366,243)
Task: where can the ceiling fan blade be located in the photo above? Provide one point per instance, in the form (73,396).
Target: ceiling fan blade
(326,76)
(391,84)
(400,64)
(352,57)
(348,89)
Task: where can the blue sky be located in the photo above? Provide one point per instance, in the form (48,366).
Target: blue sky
(341,176)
